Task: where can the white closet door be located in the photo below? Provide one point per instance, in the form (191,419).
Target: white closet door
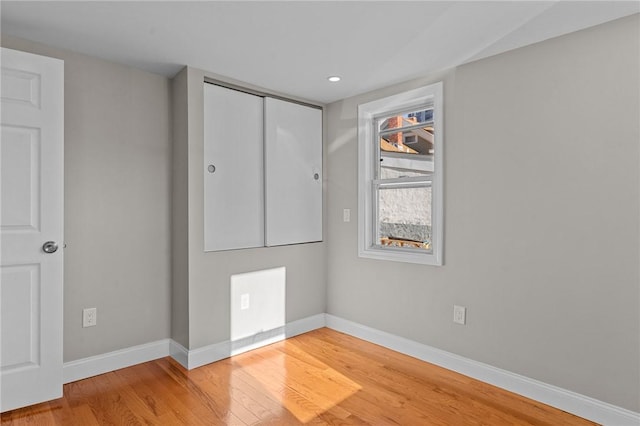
(293,173)
(233,169)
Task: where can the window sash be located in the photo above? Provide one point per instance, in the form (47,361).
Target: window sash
(405,183)
(386,132)
(423,181)
(380,134)
(419,107)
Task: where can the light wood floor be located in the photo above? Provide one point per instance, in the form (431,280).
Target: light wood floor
(322,377)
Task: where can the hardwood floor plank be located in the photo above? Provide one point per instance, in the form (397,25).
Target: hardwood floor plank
(270,399)
(38,415)
(81,415)
(219,381)
(313,381)
(453,393)
(319,378)
(180,387)
(379,390)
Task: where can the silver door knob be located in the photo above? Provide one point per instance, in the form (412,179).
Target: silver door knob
(50,247)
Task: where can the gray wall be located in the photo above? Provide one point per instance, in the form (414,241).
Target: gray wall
(180,212)
(117,203)
(206,312)
(541,217)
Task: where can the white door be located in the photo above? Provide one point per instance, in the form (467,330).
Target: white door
(31,214)
(233,171)
(293,173)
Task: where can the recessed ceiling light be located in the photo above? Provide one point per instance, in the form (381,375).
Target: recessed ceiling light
(333,78)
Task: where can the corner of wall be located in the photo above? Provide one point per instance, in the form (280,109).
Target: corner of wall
(179,211)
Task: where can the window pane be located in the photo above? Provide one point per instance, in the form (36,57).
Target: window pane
(404,217)
(415,141)
(408,153)
(407,119)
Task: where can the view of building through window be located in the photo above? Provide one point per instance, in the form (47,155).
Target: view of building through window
(404,176)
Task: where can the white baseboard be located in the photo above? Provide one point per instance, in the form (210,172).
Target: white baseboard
(111,361)
(212,353)
(100,364)
(305,325)
(179,353)
(580,405)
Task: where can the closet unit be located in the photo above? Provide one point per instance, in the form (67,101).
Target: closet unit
(262,170)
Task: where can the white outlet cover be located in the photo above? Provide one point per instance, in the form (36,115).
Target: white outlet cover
(244,301)
(459,314)
(89,317)
(346,215)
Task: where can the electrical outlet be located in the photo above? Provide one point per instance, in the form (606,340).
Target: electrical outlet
(346,215)
(459,314)
(244,301)
(89,317)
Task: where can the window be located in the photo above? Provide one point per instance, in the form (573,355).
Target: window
(400,177)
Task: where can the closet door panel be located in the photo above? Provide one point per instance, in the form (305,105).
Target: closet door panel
(233,169)
(293,173)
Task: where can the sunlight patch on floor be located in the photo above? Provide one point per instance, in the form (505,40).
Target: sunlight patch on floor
(305,386)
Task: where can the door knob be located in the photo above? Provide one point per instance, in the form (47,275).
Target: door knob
(50,247)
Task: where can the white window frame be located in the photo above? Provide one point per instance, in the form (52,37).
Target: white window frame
(367,154)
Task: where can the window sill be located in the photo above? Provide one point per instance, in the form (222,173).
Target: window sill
(400,255)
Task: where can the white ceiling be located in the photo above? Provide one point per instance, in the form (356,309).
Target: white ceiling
(293,46)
